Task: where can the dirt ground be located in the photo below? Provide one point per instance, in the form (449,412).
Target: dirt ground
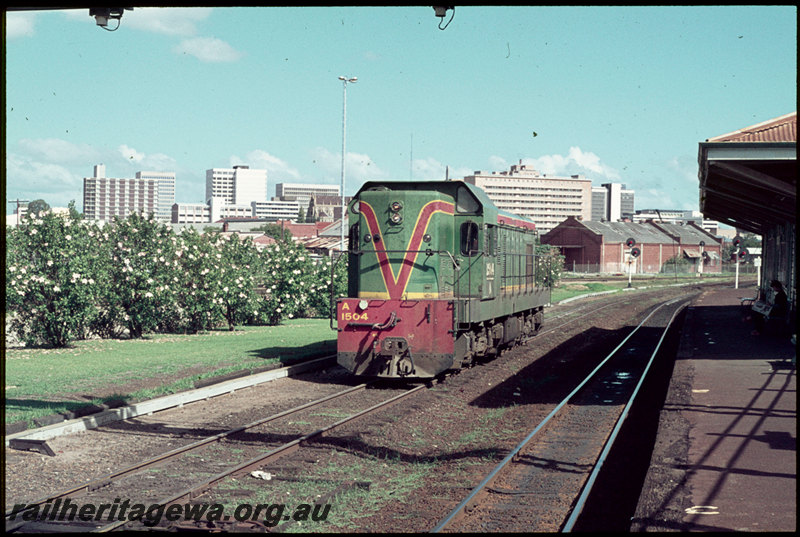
(458,430)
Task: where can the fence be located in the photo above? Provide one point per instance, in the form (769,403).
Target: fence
(667,268)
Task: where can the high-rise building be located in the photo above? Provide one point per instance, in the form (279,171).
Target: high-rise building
(237,186)
(303,192)
(106,197)
(165,184)
(546,200)
(612,202)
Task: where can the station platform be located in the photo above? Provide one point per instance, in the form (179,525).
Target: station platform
(725,456)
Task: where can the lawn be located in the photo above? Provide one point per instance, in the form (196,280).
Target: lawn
(45,381)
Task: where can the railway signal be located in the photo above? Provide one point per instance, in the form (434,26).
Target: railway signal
(630,242)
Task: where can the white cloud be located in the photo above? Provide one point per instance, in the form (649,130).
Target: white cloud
(498,163)
(142,161)
(58,151)
(32,179)
(278,170)
(359,167)
(208,49)
(576,162)
(167,21)
(686,167)
(20,25)
(430,169)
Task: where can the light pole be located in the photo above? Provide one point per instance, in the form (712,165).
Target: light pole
(344,80)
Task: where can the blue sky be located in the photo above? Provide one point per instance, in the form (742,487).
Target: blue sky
(618,94)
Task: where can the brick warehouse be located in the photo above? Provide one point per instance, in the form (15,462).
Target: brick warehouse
(602,244)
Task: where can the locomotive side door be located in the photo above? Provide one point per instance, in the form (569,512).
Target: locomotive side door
(468,254)
(490,281)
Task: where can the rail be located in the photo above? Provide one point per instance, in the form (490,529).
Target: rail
(481,488)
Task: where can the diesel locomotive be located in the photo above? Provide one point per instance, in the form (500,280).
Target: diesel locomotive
(438,277)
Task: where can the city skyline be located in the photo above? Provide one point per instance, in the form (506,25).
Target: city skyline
(617,94)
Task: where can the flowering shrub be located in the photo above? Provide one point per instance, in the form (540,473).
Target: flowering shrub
(50,279)
(68,279)
(139,272)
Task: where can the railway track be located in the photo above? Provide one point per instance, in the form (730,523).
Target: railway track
(248,441)
(544,482)
(558,325)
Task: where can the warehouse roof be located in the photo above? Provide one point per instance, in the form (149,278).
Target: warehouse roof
(622,231)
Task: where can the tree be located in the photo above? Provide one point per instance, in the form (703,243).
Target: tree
(38,207)
(73,212)
(276,231)
(301,217)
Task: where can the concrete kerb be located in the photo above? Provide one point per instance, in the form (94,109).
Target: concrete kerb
(163,403)
(588,295)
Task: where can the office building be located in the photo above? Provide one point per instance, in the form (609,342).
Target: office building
(165,186)
(612,202)
(303,192)
(237,186)
(275,210)
(547,200)
(215,210)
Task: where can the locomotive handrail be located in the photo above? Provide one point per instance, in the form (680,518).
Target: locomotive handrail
(427,251)
(332,303)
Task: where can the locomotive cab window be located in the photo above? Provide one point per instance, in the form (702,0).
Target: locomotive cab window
(469,239)
(466,201)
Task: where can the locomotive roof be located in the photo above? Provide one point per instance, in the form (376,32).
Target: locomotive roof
(488,206)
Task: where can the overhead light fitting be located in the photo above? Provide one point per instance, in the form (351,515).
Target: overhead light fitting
(103,14)
(441,12)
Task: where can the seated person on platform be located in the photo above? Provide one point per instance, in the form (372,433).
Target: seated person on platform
(775,308)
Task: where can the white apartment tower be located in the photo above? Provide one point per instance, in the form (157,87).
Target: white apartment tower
(237,186)
(546,200)
(107,197)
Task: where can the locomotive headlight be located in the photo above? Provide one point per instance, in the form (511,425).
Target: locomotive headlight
(427,237)
(362,304)
(396,206)
(396,218)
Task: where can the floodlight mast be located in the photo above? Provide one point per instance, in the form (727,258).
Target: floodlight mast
(344,80)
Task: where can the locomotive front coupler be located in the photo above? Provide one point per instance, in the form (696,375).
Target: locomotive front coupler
(395,351)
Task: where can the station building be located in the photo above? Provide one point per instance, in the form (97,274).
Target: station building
(748,180)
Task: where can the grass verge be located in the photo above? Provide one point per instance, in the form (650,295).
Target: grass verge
(40,382)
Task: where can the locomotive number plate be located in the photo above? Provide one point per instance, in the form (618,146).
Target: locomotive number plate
(350,316)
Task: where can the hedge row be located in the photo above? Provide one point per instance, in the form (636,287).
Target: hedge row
(69,279)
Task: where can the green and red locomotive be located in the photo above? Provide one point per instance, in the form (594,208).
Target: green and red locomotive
(437,277)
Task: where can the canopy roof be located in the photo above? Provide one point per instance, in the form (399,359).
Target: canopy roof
(748,178)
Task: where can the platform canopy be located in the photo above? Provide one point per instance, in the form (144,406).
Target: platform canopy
(748,178)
